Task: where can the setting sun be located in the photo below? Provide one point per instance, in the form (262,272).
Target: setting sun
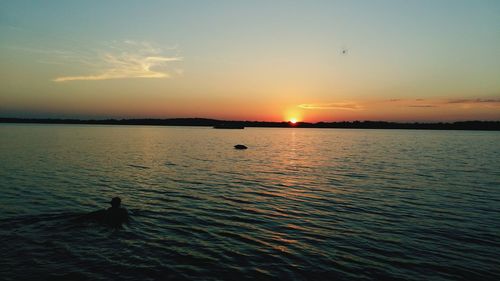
(293,120)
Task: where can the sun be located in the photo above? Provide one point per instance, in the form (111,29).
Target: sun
(293,117)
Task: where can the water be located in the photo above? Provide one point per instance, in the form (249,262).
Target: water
(299,204)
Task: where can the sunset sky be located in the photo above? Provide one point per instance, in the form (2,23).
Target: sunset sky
(314,61)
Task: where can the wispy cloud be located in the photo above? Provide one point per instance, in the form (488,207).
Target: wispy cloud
(422,105)
(332,105)
(126,66)
(467,102)
(472,101)
(122,60)
(426,103)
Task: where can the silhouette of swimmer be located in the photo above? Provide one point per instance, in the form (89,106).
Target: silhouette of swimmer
(114,216)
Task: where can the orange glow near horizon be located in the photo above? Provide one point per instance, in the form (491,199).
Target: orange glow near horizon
(293,115)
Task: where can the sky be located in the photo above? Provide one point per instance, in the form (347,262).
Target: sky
(407,61)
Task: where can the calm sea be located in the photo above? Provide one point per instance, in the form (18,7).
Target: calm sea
(299,204)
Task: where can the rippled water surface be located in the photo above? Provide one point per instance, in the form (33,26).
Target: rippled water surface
(299,204)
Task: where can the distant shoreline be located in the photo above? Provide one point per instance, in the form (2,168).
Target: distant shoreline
(204,122)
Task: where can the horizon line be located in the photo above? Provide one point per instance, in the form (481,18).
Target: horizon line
(228,120)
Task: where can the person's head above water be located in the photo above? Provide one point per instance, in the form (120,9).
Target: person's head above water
(115,202)
(115,215)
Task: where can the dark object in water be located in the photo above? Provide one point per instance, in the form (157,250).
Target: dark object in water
(240,146)
(138,166)
(114,216)
(95,217)
(228,126)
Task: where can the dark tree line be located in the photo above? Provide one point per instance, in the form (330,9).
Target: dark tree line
(463,125)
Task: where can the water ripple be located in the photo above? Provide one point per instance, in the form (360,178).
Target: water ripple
(297,205)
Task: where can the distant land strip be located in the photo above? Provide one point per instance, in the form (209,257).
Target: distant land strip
(462,125)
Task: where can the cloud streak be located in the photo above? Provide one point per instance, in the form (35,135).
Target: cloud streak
(430,104)
(422,105)
(332,105)
(129,59)
(467,102)
(471,101)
